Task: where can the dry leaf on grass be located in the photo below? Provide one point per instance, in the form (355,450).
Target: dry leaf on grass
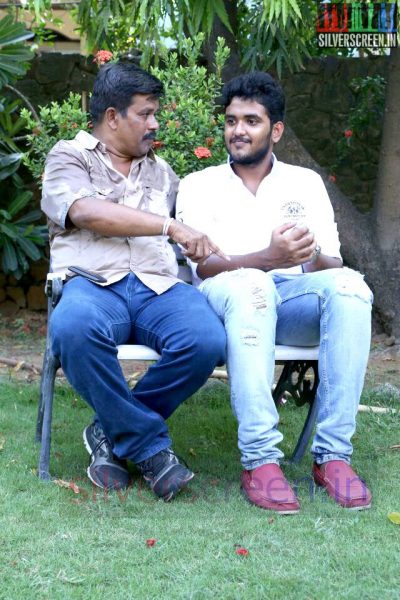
(2,442)
(68,484)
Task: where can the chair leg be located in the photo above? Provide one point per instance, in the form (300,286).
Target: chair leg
(43,427)
(293,380)
(301,445)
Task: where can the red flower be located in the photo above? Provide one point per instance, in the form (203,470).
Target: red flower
(348,133)
(74,125)
(151,542)
(202,152)
(242,551)
(157,144)
(210,141)
(332,178)
(102,56)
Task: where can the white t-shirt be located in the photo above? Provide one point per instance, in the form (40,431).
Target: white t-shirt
(216,202)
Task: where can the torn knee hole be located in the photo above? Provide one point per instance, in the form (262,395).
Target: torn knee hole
(259,301)
(349,284)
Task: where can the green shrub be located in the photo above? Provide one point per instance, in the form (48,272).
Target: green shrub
(57,122)
(191,130)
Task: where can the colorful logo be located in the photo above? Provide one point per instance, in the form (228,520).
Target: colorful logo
(357,24)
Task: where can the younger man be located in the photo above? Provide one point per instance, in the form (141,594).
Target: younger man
(284,284)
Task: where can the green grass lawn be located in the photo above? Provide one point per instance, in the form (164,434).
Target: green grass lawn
(58,544)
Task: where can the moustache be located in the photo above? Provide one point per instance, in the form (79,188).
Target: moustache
(149,136)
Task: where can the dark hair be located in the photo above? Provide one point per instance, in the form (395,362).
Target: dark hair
(116,84)
(260,87)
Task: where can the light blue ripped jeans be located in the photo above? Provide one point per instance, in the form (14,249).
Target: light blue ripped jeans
(332,308)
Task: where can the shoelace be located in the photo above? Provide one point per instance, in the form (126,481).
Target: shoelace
(145,465)
(98,445)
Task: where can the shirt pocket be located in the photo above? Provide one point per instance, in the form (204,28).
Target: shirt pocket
(105,190)
(157,202)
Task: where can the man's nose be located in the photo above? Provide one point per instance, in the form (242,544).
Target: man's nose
(239,128)
(152,123)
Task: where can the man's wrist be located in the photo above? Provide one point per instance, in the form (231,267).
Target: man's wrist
(167,224)
(316,253)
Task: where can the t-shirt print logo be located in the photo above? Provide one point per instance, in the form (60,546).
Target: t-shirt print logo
(293,211)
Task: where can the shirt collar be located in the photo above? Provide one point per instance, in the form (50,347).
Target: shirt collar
(273,170)
(90,142)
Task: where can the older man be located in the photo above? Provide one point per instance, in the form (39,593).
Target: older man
(108,199)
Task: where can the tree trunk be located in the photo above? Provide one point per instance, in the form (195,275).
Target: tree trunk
(386,206)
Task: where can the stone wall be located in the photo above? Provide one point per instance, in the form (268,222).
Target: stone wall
(318,100)
(53,75)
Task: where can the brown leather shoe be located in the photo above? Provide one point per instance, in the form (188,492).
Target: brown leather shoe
(342,484)
(268,488)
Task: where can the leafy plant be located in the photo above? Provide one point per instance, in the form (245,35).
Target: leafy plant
(363,131)
(11,123)
(20,238)
(14,53)
(107,24)
(190,136)
(274,34)
(57,122)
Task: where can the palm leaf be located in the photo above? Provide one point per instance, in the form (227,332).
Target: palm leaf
(14,54)
(9,163)
(10,262)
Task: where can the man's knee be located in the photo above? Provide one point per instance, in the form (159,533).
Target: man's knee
(209,342)
(347,283)
(72,324)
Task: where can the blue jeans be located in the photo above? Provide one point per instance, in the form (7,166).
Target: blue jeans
(90,321)
(331,308)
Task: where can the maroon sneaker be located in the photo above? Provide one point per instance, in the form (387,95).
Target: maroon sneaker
(267,487)
(342,484)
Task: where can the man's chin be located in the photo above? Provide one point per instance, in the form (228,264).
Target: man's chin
(145,146)
(238,156)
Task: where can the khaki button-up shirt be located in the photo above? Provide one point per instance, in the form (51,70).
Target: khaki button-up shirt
(82,168)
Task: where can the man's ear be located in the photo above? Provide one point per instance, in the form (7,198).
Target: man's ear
(277,131)
(111,117)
